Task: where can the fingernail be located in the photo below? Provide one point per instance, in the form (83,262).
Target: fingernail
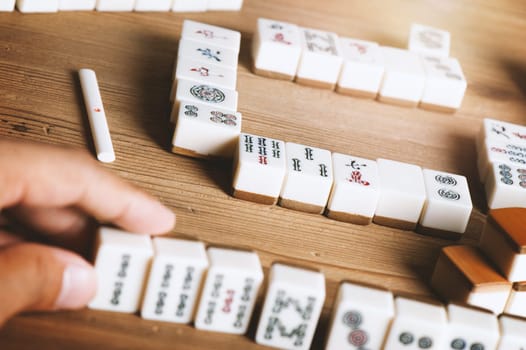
(79,284)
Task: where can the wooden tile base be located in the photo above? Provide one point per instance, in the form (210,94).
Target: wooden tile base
(433,232)
(300,206)
(356,93)
(397,102)
(315,83)
(390,222)
(437,108)
(254,197)
(188,153)
(346,217)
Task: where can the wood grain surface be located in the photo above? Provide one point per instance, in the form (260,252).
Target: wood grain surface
(133,55)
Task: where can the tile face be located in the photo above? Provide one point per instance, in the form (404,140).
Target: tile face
(153,5)
(516,304)
(356,190)
(115,5)
(202,72)
(190,5)
(321,59)
(445,84)
(404,77)
(429,41)
(470,328)
(194,92)
(230,291)
(448,205)
(211,35)
(276,49)
(504,242)
(361,318)
(29,6)
(225,5)
(121,262)
(417,325)
(175,277)
(363,68)
(202,131)
(308,180)
(76,5)
(512,333)
(493,151)
(464,275)
(259,169)
(506,186)
(497,130)
(207,54)
(402,194)
(292,307)
(7,5)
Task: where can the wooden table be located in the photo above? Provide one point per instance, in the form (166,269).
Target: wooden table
(133,55)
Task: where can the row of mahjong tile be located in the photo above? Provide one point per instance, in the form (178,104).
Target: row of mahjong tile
(423,75)
(217,289)
(39,6)
(205,70)
(492,276)
(349,188)
(501,151)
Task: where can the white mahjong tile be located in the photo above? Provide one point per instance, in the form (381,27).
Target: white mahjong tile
(356,189)
(292,307)
(205,131)
(499,151)
(361,318)
(194,92)
(7,5)
(200,52)
(470,328)
(76,5)
(516,304)
(276,48)
(30,6)
(259,168)
(501,131)
(230,291)
(402,195)
(429,41)
(404,77)
(513,336)
(363,68)
(190,5)
(417,325)
(448,205)
(211,35)
(153,5)
(506,186)
(321,58)
(225,5)
(175,280)
(308,180)
(445,84)
(115,5)
(205,73)
(121,262)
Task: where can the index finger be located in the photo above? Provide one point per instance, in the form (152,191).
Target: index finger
(39,175)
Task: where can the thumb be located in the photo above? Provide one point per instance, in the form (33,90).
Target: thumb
(39,277)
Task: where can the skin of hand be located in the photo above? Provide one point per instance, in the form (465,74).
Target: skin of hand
(58,193)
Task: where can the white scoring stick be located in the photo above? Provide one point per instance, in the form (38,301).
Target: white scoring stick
(96,116)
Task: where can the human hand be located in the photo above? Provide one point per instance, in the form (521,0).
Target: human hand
(58,192)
